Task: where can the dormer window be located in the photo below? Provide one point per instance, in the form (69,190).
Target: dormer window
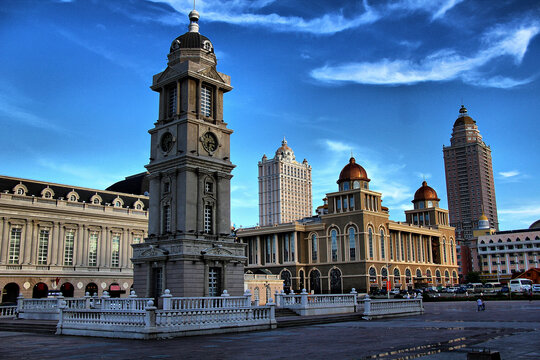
(206,101)
(138,205)
(118,202)
(72,196)
(20,189)
(47,195)
(96,200)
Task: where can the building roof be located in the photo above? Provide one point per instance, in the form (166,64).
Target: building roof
(137,184)
(535,225)
(192,39)
(424,193)
(36,188)
(464,118)
(285,151)
(352,171)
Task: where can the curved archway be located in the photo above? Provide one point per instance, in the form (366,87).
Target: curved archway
(428,275)
(286,277)
(438,276)
(67,289)
(301,279)
(446,276)
(315,281)
(418,273)
(335,281)
(91,289)
(10,292)
(41,290)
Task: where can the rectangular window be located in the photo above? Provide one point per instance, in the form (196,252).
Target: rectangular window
(208,219)
(273,249)
(391,247)
(286,248)
(68,247)
(136,240)
(171,101)
(383,255)
(166,218)
(334,245)
(92,249)
(314,248)
(115,251)
(268,249)
(402,250)
(351,202)
(206,101)
(293,246)
(345,203)
(339,204)
(43,246)
(214,281)
(14,246)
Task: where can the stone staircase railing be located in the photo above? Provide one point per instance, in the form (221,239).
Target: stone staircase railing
(7,312)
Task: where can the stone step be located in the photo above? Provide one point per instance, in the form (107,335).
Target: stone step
(285,312)
(314,320)
(31,326)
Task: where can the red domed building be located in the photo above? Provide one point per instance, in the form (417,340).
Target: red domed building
(351,243)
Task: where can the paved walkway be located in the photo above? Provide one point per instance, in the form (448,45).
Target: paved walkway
(446,331)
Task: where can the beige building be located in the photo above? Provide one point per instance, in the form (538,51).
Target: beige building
(506,252)
(284,188)
(67,238)
(353,244)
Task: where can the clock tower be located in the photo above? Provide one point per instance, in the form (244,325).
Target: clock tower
(189,249)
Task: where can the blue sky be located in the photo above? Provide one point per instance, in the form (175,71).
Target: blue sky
(383,79)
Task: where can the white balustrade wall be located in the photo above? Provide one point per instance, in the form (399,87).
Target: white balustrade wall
(385,308)
(8,312)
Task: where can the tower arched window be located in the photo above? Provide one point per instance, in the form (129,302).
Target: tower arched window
(206,101)
(314,247)
(333,236)
(352,244)
(452,251)
(382,245)
(370,242)
(444,251)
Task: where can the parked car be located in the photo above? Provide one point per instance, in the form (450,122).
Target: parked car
(520,285)
(394,291)
(536,288)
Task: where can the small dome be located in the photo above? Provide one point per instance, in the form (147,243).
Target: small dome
(483,222)
(483,217)
(425,192)
(464,118)
(352,171)
(192,39)
(285,151)
(535,225)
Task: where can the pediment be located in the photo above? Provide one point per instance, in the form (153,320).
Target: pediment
(218,251)
(154,252)
(169,73)
(212,73)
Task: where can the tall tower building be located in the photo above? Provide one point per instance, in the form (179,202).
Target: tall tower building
(469,178)
(189,249)
(284,188)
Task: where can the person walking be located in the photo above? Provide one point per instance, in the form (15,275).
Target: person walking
(481,306)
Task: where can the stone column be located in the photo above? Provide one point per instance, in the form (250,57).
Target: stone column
(84,246)
(55,240)
(430,250)
(4,240)
(26,244)
(294,247)
(35,243)
(77,246)
(507,257)
(60,249)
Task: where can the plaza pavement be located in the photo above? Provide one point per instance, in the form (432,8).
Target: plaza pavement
(448,330)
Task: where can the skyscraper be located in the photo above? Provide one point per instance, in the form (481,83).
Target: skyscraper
(284,188)
(469,178)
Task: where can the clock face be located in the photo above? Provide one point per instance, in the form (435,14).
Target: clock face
(166,142)
(209,142)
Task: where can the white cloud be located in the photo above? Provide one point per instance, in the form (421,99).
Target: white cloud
(525,210)
(244,13)
(508,174)
(442,65)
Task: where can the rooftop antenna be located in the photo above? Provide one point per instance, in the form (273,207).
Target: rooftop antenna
(351,153)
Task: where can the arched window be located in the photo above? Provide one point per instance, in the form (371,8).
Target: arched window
(438,275)
(301,278)
(452,251)
(418,273)
(384,273)
(428,274)
(333,235)
(372,274)
(382,245)
(444,250)
(286,277)
(370,241)
(91,289)
(335,281)
(408,276)
(454,277)
(397,275)
(256,293)
(446,276)
(315,281)
(352,244)
(314,247)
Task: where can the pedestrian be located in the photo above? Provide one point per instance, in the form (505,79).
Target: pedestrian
(481,306)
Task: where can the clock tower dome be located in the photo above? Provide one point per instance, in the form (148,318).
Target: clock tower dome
(189,249)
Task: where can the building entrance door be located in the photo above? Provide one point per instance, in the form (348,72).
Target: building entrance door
(214,281)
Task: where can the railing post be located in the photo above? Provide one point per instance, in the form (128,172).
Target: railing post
(304,298)
(20,300)
(367,305)
(87,298)
(278,298)
(150,316)
(166,299)
(256,301)
(59,301)
(353,292)
(132,300)
(247,295)
(225,295)
(61,307)
(105,304)
(419,297)
(272,306)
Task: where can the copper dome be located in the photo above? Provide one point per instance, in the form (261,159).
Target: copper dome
(425,192)
(464,118)
(352,171)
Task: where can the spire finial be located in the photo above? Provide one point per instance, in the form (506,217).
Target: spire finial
(193,20)
(284,142)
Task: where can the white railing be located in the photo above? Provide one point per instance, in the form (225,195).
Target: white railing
(41,305)
(214,314)
(8,312)
(213,302)
(383,308)
(305,300)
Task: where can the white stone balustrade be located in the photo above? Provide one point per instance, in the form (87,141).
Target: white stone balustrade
(8,312)
(216,315)
(386,308)
(307,304)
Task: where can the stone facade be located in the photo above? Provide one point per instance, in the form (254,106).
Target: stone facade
(284,188)
(353,244)
(66,238)
(189,249)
